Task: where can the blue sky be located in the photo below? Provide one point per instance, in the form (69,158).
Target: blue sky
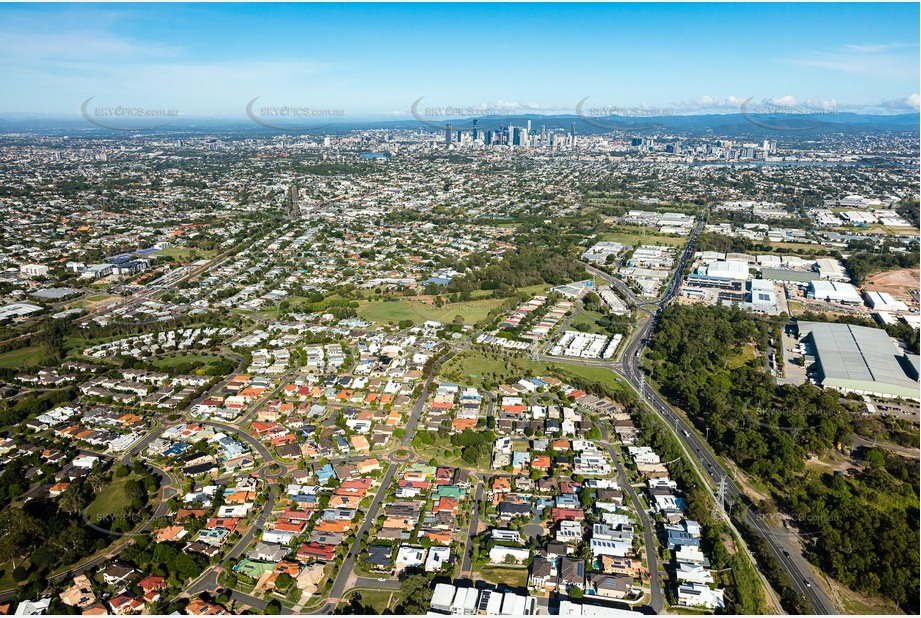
(212,59)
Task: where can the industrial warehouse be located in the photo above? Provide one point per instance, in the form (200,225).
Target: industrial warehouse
(857,359)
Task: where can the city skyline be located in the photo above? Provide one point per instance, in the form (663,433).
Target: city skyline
(214,60)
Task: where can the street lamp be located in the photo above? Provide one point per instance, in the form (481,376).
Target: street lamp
(708,434)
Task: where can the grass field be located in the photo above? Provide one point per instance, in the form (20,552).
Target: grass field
(514,577)
(379,600)
(110,501)
(601,375)
(588,318)
(443,452)
(533,290)
(183,253)
(23,357)
(634,235)
(384,312)
(744,355)
(470,368)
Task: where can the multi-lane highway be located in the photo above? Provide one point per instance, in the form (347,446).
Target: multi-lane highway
(783,549)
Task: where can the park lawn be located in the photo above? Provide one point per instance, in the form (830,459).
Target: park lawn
(384,312)
(443,453)
(601,375)
(6,574)
(183,253)
(23,357)
(635,236)
(377,599)
(588,318)
(98,297)
(110,501)
(539,289)
(469,368)
(510,576)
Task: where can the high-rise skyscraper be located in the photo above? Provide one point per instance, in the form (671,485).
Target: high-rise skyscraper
(448,134)
(474,129)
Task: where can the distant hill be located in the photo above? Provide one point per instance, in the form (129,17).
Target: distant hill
(729,125)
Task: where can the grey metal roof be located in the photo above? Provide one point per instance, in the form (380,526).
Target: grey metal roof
(860,358)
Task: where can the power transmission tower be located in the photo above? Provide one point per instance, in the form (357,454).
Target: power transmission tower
(720,497)
(721,501)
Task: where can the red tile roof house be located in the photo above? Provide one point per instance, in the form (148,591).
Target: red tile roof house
(267,428)
(446,505)
(568,487)
(288,438)
(317,551)
(290,526)
(152,582)
(355,486)
(291,516)
(228,523)
(559,514)
(541,462)
(124,604)
(152,585)
(444,476)
(415,484)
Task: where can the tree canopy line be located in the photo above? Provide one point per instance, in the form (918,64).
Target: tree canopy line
(771,430)
(546,253)
(52,533)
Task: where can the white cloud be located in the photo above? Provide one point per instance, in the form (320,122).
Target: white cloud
(909,103)
(823,104)
(876,48)
(889,61)
(784,101)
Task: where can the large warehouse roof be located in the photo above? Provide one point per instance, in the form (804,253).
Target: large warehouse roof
(860,359)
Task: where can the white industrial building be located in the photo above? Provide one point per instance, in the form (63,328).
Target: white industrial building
(17,310)
(831,269)
(834,292)
(599,252)
(882,301)
(730,269)
(762,297)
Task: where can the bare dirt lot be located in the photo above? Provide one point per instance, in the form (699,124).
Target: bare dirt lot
(895,282)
